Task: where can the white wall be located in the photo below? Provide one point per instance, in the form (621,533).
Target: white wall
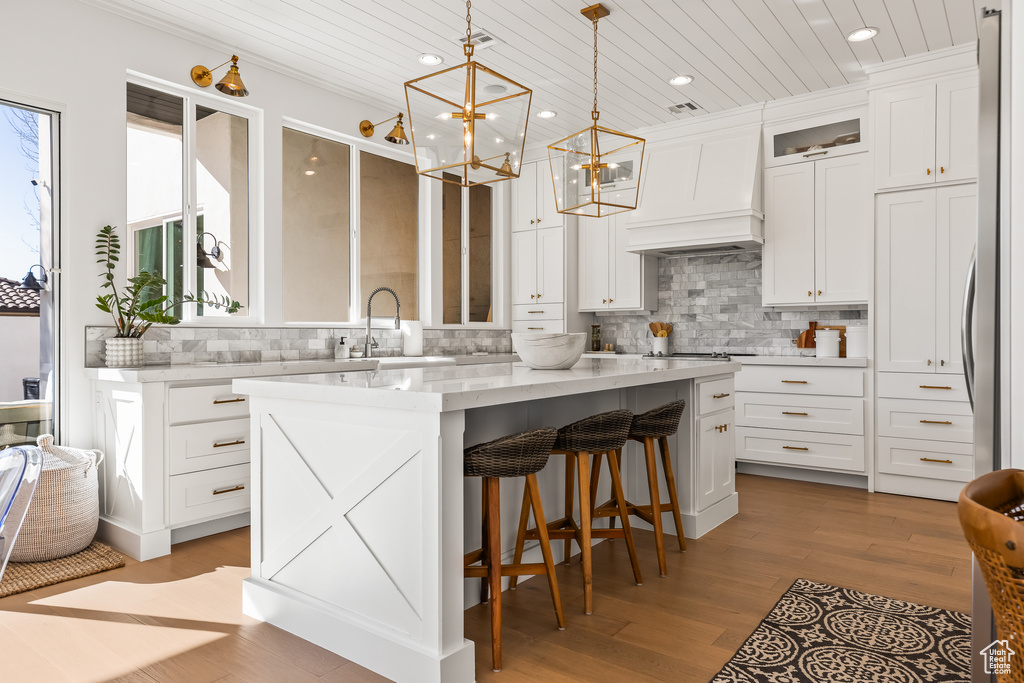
(20,334)
(81,71)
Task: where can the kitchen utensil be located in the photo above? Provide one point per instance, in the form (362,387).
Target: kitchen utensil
(668,328)
(654,328)
(806,338)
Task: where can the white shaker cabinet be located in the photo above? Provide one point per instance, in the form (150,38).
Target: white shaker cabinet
(611,278)
(533,198)
(926,133)
(817,232)
(538,266)
(925,240)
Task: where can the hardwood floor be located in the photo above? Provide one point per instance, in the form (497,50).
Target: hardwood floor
(178,618)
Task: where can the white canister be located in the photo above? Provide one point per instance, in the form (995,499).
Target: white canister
(659,346)
(412,338)
(826,343)
(857,341)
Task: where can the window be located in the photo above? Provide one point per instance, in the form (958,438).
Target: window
(466,219)
(189,208)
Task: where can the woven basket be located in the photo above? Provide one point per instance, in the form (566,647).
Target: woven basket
(64,512)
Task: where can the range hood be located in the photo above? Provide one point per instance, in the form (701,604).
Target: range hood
(700,193)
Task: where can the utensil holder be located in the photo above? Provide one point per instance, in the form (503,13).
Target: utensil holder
(659,346)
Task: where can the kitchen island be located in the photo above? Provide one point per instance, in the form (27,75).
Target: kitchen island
(361,513)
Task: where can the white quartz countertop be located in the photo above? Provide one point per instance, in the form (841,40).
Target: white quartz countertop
(232,370)
(804,361)
(462,387)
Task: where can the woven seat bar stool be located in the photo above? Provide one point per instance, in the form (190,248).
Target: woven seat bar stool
(600,435)
(655,425)
(518,455)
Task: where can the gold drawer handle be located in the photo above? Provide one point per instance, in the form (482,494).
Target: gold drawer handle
(722,428)
(948,462)
(218,401)
(794,381)
(719,395)
(786,412)
(796,448)
(232,489)
(229,443)
(535,311)
(535,328)
(927,386)
(936,422)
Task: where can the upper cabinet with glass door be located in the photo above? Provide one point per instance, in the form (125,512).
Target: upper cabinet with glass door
(189,207)
(820,137)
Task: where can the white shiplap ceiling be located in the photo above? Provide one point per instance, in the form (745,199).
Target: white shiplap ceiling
(739,51)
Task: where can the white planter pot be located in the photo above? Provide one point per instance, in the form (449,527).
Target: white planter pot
(123,352)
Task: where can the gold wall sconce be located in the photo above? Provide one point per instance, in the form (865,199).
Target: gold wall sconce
(231,84)
(396,136)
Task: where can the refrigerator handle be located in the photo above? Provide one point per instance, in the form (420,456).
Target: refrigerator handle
(966,327)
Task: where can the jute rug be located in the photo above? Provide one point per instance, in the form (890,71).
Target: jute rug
(25,576)
(820,633)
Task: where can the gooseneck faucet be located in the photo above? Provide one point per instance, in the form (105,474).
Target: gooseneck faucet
(369,304)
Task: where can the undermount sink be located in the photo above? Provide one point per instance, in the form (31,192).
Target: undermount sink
(402,362)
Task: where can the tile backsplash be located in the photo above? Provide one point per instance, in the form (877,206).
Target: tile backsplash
(183,345)
(713,303)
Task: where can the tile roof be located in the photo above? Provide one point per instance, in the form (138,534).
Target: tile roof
(15,300)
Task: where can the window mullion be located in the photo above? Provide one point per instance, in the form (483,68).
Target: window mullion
(355,307)
(191,211)
(464,315)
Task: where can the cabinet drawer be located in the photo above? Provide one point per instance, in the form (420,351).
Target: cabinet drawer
(529,312)
(833,414)
(935,420)
(207,445)
(210,493)
(931,459)
(715,394)
(789,379)
(931,387)
(803,449)
(214,402)
(538,326)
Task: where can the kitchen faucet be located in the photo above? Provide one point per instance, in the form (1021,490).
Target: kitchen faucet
(369,303)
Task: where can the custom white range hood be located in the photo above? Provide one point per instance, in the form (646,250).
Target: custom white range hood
(700,188)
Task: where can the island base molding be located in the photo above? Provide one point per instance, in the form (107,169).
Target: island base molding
(335,631)
(144,546)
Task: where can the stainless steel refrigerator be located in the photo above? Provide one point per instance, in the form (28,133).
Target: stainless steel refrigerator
(984,330)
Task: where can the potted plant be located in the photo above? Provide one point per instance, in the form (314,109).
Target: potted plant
(140,304)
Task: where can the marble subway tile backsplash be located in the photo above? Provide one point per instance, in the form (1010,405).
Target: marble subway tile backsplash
(184,345)
(713,303)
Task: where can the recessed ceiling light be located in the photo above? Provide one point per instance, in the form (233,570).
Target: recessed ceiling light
(428,59)
(495,89)
(862,34)
(681,80)
(547,114)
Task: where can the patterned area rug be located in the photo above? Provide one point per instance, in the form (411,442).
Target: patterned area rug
(820,633)
(25,576)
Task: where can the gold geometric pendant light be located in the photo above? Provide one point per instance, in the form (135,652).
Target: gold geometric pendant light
(596,172)
(468,123)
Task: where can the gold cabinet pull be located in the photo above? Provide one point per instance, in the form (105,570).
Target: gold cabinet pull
(948,462)
(535,311)
(942,169)
(236,442)
(533,296)
(819,292)
(809,293)
(610,300)
(929,361)
(928,386)
(604,301)
(811,154)
(218,401)
(719,395)
(535,328)
(722,428)
(786,412)
(538,297)
(238,487)
(936,422)
(929,171)
(797,448)
(794,381)
(532,221)
(942,363)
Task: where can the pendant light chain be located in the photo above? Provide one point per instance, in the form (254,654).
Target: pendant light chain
(595,114)
(468,49)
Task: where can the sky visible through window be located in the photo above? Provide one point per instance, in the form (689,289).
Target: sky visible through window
(19,231)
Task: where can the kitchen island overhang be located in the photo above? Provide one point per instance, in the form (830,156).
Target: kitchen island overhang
(358,505)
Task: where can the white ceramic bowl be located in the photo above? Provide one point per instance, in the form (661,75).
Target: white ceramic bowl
(547,351)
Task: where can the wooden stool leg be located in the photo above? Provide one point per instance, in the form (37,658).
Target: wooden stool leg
(569,476)
(494,567)
(595,477)
(583,535)
(620,501)
(545,547)
(673,495)
(483,536)
(524,519)
(652,483)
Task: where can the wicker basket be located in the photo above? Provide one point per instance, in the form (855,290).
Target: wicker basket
(64,512)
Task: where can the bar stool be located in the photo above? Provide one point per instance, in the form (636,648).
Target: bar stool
(518,455)
(658,423)
(600,435)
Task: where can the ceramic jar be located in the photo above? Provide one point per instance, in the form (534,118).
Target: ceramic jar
(123,352)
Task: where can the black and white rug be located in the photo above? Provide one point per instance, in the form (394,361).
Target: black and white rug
(818,633)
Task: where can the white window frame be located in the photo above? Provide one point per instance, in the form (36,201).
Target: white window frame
(254,308)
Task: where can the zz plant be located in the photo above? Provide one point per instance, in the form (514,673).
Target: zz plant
(133,312)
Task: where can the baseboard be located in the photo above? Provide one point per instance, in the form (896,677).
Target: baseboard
(214,526)
(134,543)
(856,481)
(919,487)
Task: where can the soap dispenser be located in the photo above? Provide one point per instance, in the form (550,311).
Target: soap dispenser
(341,351)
